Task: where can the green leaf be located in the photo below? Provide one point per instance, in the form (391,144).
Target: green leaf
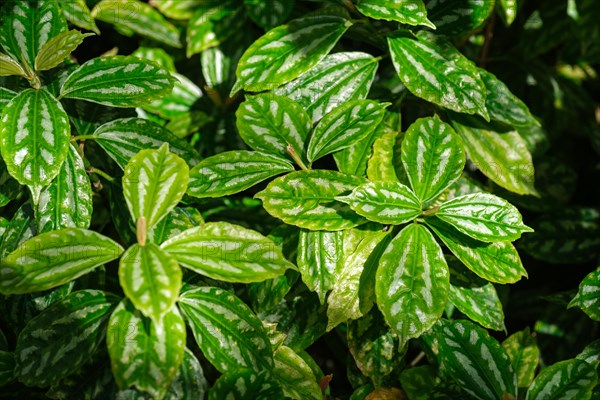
(156,55)
(92,381)
(141,18)
(63,337)
(307,199)
(380,167)
(412,283)
(20,228)
(496,262)
(55,50)
(144,354)
(245,384)
(411,12)
(337,79)
(269,13)
(344,125)
(151,279)
(6,96)
(507,9)
(117,81)
(454,19)
(154,182)
(273,124)
(435,71)
(588,296)
(432,156)
(386,203)
(570,379)
(67,201)
(209,27)
(7,366)
(10,66)
(178,220)
(524,355)
(189,383)
(223,251)
(231,172)
(178,9)
(179,102)
(288,51)
(35,135)
(295,376)
(54,258)
(229,334)
(78,13)
(419,382)
(591,353)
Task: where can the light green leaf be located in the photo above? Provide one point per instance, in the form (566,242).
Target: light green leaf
(245,384)
(507,9)
(307,199)
(178,220)
(269,13)
(151,279)
(154,182)
(474,360)
(411,12)
(432,156)
(179,102)
(496,262)
(7,367)
(35,135)
(273,124)
(231,172)
(178,9)
(454,19)
(380,167)
(209,27)
(229,334)
(54,258)
(344,125)
(67,201)
(144,354)
(288,51)
(141,18)
(524,355)
(223,251)
(591,353)
(189,383)
(78,13)
(295,376)
(10,66)
(61,339)
(412,283)
(588,296)
(117,81)
(55,50)
(386,203)
(570,379)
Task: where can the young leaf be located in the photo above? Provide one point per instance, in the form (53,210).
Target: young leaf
(288,51)
(570,379)
(229,334)
(54,258)
(10,66)
(386,203)
(151,279)
(432,156)
(412,283)
(78,13)
(349,123)
(588,296)
(454,19)
(35,135)
(307,199)
(524,355)
(411,12)
(245,384)
(231,172)
(60,340)
(227,252)
(55,50)
(295,376)
(117,81)
(153,184)
(380,167)
(209,27)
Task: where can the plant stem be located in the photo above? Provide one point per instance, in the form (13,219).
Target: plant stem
(82,137)
(296,157)
(430,212)
(489,34)
(94,170)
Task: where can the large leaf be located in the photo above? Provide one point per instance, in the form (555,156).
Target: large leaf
(412,283)
(151,279)
(63,338)
(588,295)
(286,52)
(229,334)
(411,12)
(78,13)
(451,18)
(295,376)
(245,384)
(570,379)
(228,252)
(117,81)
(54,51)
(432,156)
(54,258)
(524,355)
(307,199)
(35,135)
(210,26)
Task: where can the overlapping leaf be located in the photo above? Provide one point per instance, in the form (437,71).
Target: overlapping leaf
(9,66)
(189,383)
(55,50)
(209,27)
(78,13)
(570,379)
(524,355)
(588,295)
(269,13)
(178,9)
(245,384)
(411,12)
(178,220)
(479,303)
(451,18)
(380,167)
(295,376)
(178,102)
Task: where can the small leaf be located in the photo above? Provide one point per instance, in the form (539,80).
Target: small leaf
(588,296)
(10,66)
(456,19)
(507,9)
(295,376)
(570,379)
(411,12)
(55,50)
(209,27)
(591,353)
(245,384)
(524,355)
(78,13)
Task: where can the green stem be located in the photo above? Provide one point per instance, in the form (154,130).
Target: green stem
(296,157)
(82,137)
(94,170)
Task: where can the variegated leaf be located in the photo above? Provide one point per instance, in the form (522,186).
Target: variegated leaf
(78,13)
(231,172)
(474,360)
(210,26)
(269,13)
(157,55)
(346,76)
(484,217)
(153,184)
(524,355)
(380,167)
(570,379)
(19,229)
(307,199)
(151,279)
(295,376)
(9,66)
(61,339)
(54,258)
(227,252)
(273,124)
(178,220)
(7,367)
(432,156)
(55,50)
(344,125)
(496,262)
(590,354)
(6,95)
(117,81)
(245,384)
(588,296)
(507,9)
(286,52)
(229,334)
(67,201)
(451,18)
(35,135)
(139,17)
(189,383)
(144,354)
(412,283)
(411,12)
(179,102)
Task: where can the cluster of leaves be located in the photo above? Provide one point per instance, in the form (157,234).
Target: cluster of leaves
(302,181)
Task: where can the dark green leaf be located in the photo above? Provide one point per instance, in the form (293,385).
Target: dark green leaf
(189,383)
(570,379)
(453,19)
(177,221)
(245,384)
(7,367)
(320,259)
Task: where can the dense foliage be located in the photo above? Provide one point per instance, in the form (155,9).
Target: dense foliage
(308,199)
